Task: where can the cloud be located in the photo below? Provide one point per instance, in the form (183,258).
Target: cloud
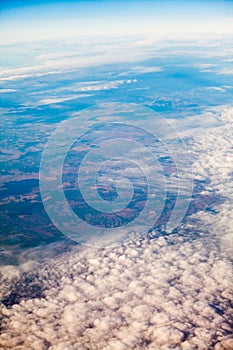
(142,70)
(53,100)
(71,60)
(163,293)
(80,90)
(204,65)
(211,137)
(216,88)
(226,71)
(6,90)
(98,85)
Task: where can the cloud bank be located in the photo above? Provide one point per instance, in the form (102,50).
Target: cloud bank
(212,148)
(164,293)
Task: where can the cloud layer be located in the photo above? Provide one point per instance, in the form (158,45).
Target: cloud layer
(212,148)
(168,293)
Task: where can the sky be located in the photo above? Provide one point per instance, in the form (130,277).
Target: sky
(28,21)
(167,292)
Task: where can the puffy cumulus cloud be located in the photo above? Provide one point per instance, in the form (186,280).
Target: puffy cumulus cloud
(145,294)
(9,274)
(213,158)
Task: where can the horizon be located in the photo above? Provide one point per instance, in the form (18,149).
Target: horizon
(44,20)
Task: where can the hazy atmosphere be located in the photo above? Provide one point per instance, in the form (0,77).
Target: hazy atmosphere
(116,175)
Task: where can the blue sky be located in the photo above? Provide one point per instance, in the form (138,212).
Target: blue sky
(25,21)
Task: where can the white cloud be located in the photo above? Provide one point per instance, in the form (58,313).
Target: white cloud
(80,90)
(48,101)
(6,90)
(144,70)
(139,295)
(141,70)
(98,85)
(204,65)
(226,71)
(211,149)
(71,60)
(216,88)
